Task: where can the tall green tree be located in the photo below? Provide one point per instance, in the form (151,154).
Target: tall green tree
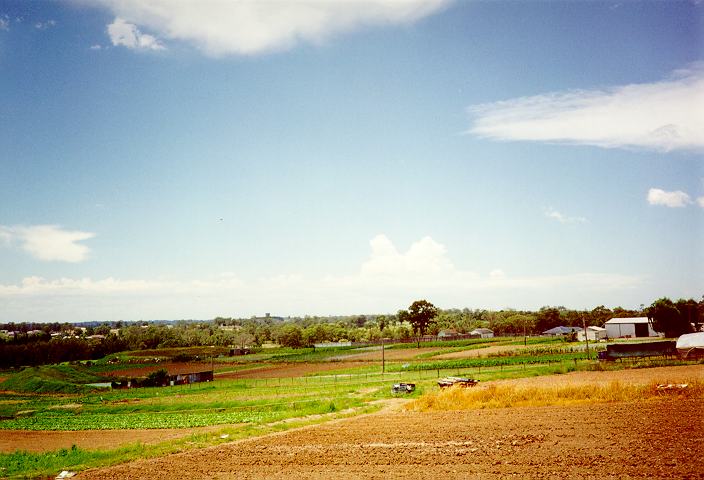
(664,317)
(420,315)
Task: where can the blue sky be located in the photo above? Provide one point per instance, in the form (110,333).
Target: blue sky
(187,160)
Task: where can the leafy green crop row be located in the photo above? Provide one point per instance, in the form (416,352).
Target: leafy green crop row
(132,421)
(489,362)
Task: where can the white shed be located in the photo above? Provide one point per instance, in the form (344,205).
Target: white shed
(630,327)
(594,334)
(482,332)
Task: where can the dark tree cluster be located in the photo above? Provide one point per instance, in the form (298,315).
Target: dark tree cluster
(676,318)
(42,352)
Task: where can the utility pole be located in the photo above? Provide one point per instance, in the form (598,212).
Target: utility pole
(586,336)
(383,363)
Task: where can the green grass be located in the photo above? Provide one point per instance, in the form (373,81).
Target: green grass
(52,379)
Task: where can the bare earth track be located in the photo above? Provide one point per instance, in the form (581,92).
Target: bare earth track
(657,438)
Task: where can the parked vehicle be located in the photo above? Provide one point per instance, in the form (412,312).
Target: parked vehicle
(460,381)
(403,388)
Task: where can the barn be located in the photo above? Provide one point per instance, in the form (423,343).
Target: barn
(630,327)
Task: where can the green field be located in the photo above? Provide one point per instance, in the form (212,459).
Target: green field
(57,397)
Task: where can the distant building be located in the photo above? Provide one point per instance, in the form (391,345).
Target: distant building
(630,327)
(269,317)
(332,344)
(561,330)
(594,334)
(448,333)
(482,332)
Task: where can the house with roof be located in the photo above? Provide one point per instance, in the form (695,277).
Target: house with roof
(482,332)
(561,330)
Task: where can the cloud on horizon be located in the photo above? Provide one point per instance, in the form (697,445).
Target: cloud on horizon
(48,242)
(659,116)
(251,27)
(387,280)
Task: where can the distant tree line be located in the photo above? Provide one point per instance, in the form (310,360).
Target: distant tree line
(42,343)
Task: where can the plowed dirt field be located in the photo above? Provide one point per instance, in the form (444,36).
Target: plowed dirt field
(43,441)
(659,438)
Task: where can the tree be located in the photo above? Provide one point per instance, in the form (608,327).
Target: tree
(381,322)
(664,317)
(689,311)
(291,336)
(420,315)
(547,318)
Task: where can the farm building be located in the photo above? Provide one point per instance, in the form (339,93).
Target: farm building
(482,332)
(630,327)
(192,377)
(561,330)
(448,333)
(594,334)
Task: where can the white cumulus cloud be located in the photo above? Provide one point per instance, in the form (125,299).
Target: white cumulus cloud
(663,116)
(700,201)
(676,199)
(424,257)
(48,242)
(128,35)
(246,27)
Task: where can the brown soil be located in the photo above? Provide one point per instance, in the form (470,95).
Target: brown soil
(650,439)
(640,376)
(479,352)
(389,354)
(44,441)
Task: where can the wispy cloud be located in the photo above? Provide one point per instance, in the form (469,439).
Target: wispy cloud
(128,35)
(45,25)
(562,218)
(660,116)
(96,47)
(249,27)
(386,280)
(700,201)
(676,199)
(4,22)
(48,242)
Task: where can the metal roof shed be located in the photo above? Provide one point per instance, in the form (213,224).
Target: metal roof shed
(630,327)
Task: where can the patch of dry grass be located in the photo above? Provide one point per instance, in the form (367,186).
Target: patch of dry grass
(502,396)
